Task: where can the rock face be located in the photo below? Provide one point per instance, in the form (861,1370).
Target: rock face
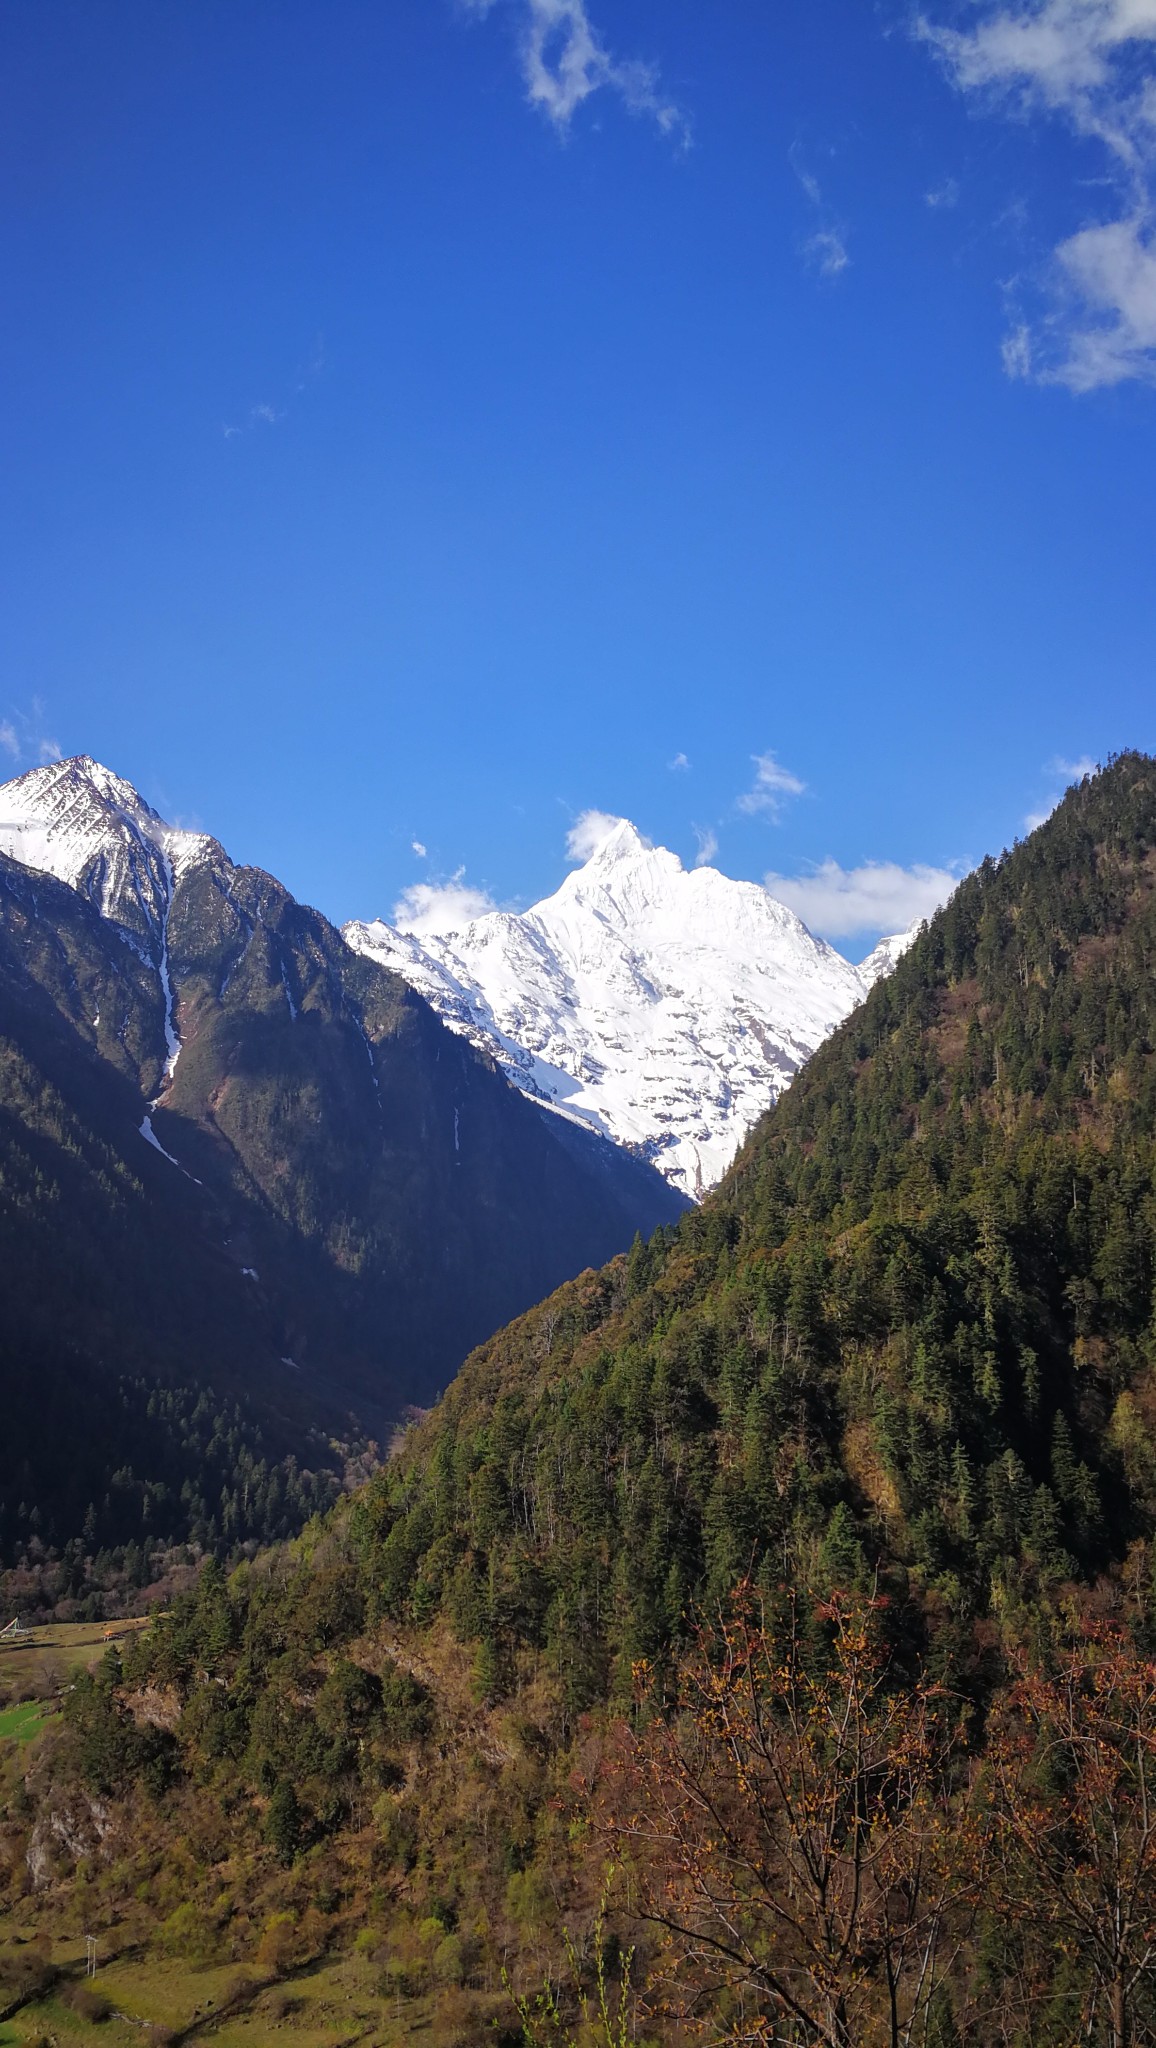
(230,1147)
(665,1007)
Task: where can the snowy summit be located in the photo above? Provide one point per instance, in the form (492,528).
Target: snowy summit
(83,824)
(663,1006)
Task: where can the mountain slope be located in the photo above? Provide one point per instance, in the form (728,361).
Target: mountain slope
(907,1348)
(914,1324)
(664,1008)
(232,1150)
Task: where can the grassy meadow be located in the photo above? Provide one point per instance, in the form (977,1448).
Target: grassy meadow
(139,2002)
(49,1653)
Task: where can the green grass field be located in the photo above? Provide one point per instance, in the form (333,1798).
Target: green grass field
(20,1724)
(333,2003)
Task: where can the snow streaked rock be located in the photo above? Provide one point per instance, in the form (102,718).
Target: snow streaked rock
(664,1007)
(76,820)
(79,822)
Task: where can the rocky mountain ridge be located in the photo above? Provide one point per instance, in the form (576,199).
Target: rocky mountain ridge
(234,1153)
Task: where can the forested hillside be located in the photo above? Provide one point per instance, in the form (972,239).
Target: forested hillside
(913,1325)
(895,1379)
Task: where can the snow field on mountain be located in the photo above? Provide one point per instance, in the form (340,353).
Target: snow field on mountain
(666,1008)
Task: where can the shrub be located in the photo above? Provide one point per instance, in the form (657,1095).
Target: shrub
(25,1973)
(276,1949)
(87,2003)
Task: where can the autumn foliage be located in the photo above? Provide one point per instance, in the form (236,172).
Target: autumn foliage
(830,1850)
(791,1830)
(1070,1773)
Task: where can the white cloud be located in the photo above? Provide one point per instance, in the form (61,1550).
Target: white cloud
(773,784)
(945,195)
(262,415)
(419,849)
(826,249)
(564,62)
(23,738)
(1091,63)
(828,252)
(707,845)
(1069,772)
(440,907)
(679,763)
(806,178)
(1061,53)
(589,832)
(1111,275)
(880,896)
(1016,351)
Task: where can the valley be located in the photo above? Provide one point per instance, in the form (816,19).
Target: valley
(862,1441)
(256,1202)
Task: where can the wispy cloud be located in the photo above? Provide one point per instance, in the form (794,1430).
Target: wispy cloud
(266,412)
(24,739)
(589,833)
(707,845)
(440,907)
(773,784)
(564,62)
(257,416)
(1090,63)
(418,848)
(880,896)
(679,764)
(826,249)
(942,196)
(1065,773)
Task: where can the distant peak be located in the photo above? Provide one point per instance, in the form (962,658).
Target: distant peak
(83,769)
(90,828)
(623,842)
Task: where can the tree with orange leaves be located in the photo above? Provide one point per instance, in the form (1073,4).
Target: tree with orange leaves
(789,1830)
(1071,1775)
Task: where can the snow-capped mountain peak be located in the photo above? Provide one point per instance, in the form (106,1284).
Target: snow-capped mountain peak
(623,842)
(663,1006)
(78,821)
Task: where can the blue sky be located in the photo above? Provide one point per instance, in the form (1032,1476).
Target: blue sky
(423,423)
